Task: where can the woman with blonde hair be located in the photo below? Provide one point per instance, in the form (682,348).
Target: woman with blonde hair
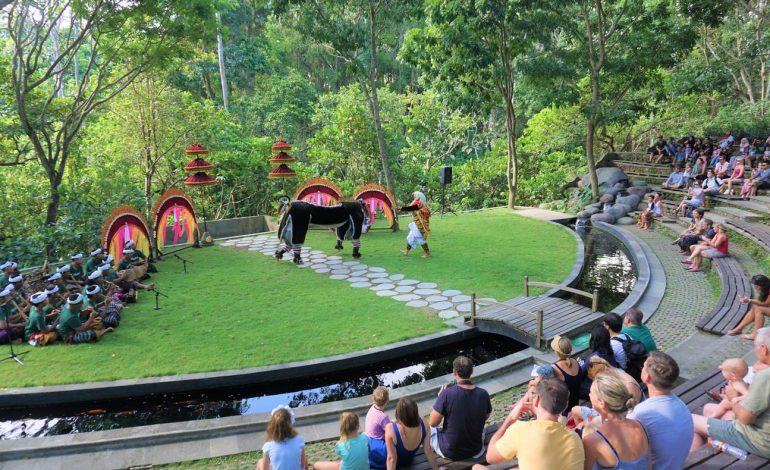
(567,369)
(618,443)
(352,448)
(284,449)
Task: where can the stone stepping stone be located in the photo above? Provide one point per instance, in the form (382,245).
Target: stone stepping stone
(319,259)
(358,279)
(441,305)
(340,271)
(381,281)
(359,273)
(333,261)
(338,277)
(465,308)
(303,265)
(427,285)
(376,275)
(427,291)
(317,252)
(436,298)
(360,284)
(268,252)
(321,270)
(386,293)
(407,282)
(396,277)
(404,289)
(377,287)
(461,298)
(376,269)
(451,293)
(255,248)
(417,303)
(447,314)
(334,257)
(351,263)
(406,297)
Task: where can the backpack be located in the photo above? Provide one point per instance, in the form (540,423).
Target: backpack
(636,354)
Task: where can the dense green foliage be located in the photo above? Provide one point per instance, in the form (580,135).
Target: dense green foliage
(388,91)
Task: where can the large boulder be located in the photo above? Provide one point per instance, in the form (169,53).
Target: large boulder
(591,210)
(625,221)
(620,186)
(608,177)
(631,200)
(596,205)
(584,215)
(641,206)
(616,211)
(638,190)
(603,217)
(625,207)
(606,198)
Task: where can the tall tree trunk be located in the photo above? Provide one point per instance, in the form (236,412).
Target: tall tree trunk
(590,134)
(221,55)
(52,211)
(513,171)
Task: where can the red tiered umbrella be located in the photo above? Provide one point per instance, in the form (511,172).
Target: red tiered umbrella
(198,176)
(282,171)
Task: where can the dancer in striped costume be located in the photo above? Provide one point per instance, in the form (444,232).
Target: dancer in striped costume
(419,229)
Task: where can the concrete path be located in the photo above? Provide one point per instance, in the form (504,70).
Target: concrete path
(414,293)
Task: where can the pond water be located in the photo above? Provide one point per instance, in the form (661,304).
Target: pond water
(244,401)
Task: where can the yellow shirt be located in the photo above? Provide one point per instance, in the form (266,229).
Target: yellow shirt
(542,445)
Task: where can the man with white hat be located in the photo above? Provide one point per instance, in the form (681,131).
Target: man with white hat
(55,296)
(19,303)
(5,272)
(10,326)
(97,257)
(76,268)
(72,329)
(108,308)
(36,325)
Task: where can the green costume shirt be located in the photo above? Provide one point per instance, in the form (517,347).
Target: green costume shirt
(3,280)
(757,402)
(36,322)
(68,321)
(91,265)
(124,264)
(77,272)
(110,275)
(139,254)
(642,334)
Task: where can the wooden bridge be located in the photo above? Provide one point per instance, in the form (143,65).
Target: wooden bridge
(534,321)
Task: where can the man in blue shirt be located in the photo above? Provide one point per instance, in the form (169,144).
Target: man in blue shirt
(762,181)
(675,180)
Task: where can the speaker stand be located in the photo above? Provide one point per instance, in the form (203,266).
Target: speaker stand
(444,206)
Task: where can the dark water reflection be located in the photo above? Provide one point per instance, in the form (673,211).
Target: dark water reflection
(313,390)
(608,268)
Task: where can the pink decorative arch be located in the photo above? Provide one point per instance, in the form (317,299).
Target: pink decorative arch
(379,202)
(319,191)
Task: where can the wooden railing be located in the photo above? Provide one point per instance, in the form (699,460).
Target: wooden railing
(593,296)
(537,315)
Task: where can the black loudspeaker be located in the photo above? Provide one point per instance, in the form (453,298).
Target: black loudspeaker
(445,175)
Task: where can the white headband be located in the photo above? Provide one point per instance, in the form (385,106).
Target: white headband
(77,256)
(7,264)
(63,269)
(129,244)
(74,299)
(97,251)
(93,289)
(12,264)
(128,251)
(95,275)
(4,293)
(54,276)
(38,297)
(104,267)
(109,259)
(284,407)
(18,278)
(52,290)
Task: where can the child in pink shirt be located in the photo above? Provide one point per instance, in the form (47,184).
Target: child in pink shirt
(376,422)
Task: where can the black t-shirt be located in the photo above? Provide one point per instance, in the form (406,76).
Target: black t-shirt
(465,412)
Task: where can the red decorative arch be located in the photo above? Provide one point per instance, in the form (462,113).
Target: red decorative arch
(379,202)
(319,191)
(173,218)
(123,224)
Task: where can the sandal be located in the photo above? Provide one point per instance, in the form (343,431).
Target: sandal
(733,332)
(693,270)
(749,336)
(686,261)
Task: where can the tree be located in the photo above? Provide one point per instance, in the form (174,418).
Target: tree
(120,40)
(475,46)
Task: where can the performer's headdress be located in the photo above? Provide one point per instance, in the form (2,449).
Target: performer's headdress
(418,195)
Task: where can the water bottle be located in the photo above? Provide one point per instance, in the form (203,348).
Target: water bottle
(732,450)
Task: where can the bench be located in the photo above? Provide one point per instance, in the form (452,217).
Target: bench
(728,311)
(693,393)
(760,233)
(420,461)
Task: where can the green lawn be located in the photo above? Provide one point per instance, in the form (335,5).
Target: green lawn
(238,309)
(488,252)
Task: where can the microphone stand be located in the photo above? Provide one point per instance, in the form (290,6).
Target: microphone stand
(184,262)
(157,294)
(12,354)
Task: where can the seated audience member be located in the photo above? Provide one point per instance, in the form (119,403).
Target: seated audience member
(463,409)
(680,156)
(618,442)
(687,175)
(540,444)
(672,146)
(675,179)
(760,306)
(700,167)
(406,435)
(376,423)
(37,327)
(567,369)
(633,327)
(734,370)
(599,343)
(663,414)
(695,200)
(721,168)
(751,429)
(712,183)
(72,329)
(654,209)
(352,448)
(748,183)
(695,225)
(762,181)
(613,324)
(717,247)
(727,140)
(283,449)
(659,151)
(597,365)
(736,177)
(706,233)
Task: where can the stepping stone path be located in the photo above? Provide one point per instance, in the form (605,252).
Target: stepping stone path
(447,303)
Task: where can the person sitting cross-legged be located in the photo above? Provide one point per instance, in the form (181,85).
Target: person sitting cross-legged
(540,444)
(72,329)
(751,429)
